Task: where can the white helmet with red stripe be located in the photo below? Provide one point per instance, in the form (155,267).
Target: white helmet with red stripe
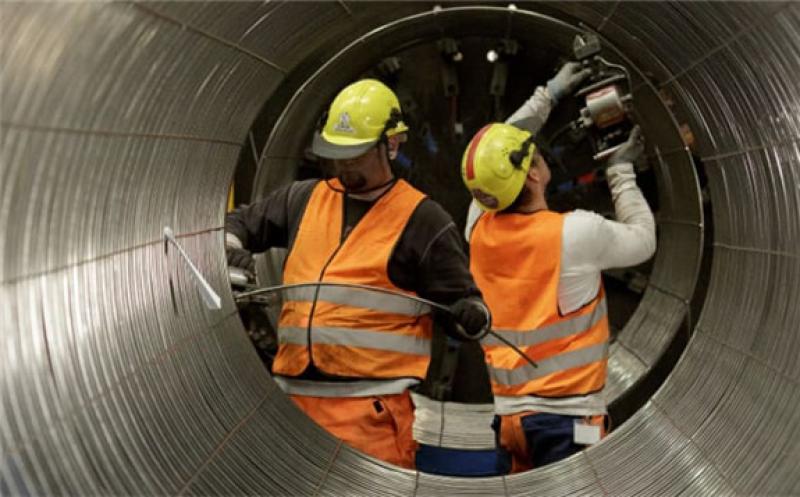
(495,164)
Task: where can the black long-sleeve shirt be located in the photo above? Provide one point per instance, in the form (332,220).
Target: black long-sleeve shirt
(429,258)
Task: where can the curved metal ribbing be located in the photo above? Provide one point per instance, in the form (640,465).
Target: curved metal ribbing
(118,120)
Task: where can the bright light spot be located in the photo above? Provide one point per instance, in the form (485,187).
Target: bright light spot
(511,6)
(491,56)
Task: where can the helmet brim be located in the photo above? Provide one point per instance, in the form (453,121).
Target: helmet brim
(323,148)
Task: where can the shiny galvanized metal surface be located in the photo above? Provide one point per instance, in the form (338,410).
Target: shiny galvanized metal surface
(121,119)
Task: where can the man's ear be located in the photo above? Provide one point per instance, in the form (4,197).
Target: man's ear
(393,144)
(533,175)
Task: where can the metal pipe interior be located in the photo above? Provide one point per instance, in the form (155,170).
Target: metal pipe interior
(121,119)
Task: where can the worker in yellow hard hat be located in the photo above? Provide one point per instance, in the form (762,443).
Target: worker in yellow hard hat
(548,299)
(348,357)
(363,114)
(496,164)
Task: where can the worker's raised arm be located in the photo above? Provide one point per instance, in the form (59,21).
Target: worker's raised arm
(630,239)
(630,206)
(532,115)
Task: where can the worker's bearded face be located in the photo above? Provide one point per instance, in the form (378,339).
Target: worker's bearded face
(353,180)
(354,173)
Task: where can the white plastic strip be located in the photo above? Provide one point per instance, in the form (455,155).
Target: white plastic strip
(579,405)
(452,424)
(210,297)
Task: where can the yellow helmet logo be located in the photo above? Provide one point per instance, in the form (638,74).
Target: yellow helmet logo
(343,125)
(360,115)
(495,164)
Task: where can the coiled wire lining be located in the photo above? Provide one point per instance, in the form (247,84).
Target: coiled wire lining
(115,379)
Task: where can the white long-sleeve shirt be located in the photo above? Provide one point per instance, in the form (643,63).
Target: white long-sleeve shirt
(590,244)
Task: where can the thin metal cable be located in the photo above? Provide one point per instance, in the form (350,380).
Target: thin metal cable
(321,284)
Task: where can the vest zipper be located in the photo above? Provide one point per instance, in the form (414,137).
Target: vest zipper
(342,240)
(314,304)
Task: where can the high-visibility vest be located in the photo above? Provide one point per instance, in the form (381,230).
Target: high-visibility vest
(516,262)
(348,332)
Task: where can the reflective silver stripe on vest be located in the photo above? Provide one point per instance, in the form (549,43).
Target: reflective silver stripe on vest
(363,298)
(378,340)
(561,362)
(553,331)
(358,388)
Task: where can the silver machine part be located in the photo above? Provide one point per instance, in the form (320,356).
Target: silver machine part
(605,154)
(121,118)
(605,107)
(238,277)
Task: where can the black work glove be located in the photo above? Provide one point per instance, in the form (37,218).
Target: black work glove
(472,318)
(629,151)
(241,258)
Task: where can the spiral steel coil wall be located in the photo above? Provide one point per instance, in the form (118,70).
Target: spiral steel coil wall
(119,119)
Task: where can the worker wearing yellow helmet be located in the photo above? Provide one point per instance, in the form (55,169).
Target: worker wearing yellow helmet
(348,357)
(360,116)
(548,297)
(496,164)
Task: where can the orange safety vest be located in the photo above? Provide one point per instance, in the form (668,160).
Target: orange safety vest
(349,332)
(516,262)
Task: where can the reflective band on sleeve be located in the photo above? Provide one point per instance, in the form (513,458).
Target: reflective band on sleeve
(554,331)
(404,344)
(358,297)
(568,360)
(357,388)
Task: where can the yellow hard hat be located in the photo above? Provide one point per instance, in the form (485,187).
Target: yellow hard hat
(360,115)
(495,164)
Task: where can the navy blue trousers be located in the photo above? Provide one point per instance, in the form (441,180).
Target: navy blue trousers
(457,462)
(550,437)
